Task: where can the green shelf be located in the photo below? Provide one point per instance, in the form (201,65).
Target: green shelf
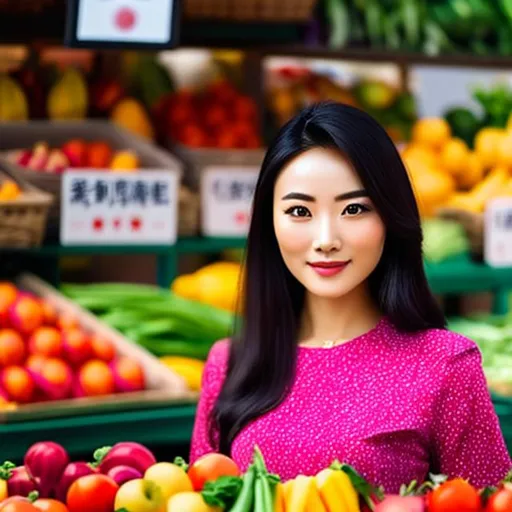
(170,425)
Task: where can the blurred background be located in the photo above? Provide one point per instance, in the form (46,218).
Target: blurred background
(110,331)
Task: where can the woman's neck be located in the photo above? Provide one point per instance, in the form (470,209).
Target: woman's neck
(340,319)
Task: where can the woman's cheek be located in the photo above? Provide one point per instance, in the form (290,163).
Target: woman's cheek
(293,237)
(367,234)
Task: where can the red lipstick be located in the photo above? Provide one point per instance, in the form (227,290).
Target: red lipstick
(328,268)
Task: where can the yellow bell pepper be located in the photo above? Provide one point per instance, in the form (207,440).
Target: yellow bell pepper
(301,493)
(337,491)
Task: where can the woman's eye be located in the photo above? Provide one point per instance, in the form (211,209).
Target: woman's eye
(355,209)
(298,211)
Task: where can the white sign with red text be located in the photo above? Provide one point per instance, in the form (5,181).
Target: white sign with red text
(226,200)
(110,208)
(498,232)
(140,21)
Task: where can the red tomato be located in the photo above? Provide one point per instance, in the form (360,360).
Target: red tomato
(500,501)
(211,467)
(47,505)
(454,496)
(92,492)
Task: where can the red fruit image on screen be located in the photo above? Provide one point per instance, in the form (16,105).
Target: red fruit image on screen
(125,18)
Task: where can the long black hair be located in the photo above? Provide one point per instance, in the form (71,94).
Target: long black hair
(263,353)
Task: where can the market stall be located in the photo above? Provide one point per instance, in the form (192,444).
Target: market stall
(142,165)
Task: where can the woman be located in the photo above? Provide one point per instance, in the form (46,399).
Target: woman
(343,353)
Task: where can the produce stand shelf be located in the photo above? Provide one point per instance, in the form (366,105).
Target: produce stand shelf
(83,434)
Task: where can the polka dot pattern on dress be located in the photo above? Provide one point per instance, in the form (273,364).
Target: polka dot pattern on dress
(394,405)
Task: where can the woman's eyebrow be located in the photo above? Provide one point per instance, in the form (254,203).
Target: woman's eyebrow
(341,197)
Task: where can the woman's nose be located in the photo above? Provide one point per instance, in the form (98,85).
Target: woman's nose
(328,239)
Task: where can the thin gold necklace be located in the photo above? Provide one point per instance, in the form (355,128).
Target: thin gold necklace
(330,343)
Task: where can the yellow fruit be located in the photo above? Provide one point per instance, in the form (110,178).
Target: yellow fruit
(219,288)
(487,142)
(131,115)
(337,491)
(191,370)
(473,173)
(186,286)
(433,132)
(68,98)
(125,161)
(13,101)
(189,502)
(454,156)
(505,150)
(490,187)
(9,190)
(432,190)
(418,153)
(170,478)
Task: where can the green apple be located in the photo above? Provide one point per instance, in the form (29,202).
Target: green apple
(140,495)
(169,477)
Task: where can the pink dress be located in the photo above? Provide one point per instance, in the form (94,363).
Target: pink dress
(395,406)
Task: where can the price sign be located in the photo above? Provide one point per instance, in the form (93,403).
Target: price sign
(122,23)
(117,209)
(226,200)
(498,232)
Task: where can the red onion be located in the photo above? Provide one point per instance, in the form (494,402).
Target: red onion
(20,483)
(46,461)
(122,474)
(133,455)
(72,472)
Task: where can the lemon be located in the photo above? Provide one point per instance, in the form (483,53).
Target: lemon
(487,142)
(454,156)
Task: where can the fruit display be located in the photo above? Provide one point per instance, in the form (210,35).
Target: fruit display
(158,320)
(75,153)
(446,172)
(47,355)
(216,116)
(9,190)
(127,477)
(216,284)
(293,87)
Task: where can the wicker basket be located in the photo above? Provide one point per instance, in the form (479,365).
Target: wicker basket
(23,220)
(250,10)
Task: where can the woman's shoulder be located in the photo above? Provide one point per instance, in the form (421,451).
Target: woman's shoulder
(435,343)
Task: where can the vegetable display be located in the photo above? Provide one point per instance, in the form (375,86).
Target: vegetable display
(214,483)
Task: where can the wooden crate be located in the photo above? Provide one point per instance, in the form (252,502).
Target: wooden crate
(164,387)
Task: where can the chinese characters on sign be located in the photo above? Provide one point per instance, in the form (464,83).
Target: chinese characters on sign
(119,209)
(226,196)
(498,232)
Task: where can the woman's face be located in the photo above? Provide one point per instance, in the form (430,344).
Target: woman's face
(330,236)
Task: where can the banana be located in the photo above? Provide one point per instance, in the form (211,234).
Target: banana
(13,102)
(191,370)
(68,98)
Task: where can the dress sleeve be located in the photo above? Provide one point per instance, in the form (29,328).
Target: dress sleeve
(213,377)
(467,435)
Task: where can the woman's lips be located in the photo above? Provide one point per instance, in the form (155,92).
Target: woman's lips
(328,268)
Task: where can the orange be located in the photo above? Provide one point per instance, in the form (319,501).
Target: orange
(9,190)
(26,314)
(125,161)
(49,313)
(18,383)
(12,348)
(454,156)
(487,142)
(77,345)
(55,371)
(35,362)
(96,378)
(46,341)
(48,505)
(8,294)
(129,373)
(67,321)
(473,173)
(416,152)
(433,132)
(102,348)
